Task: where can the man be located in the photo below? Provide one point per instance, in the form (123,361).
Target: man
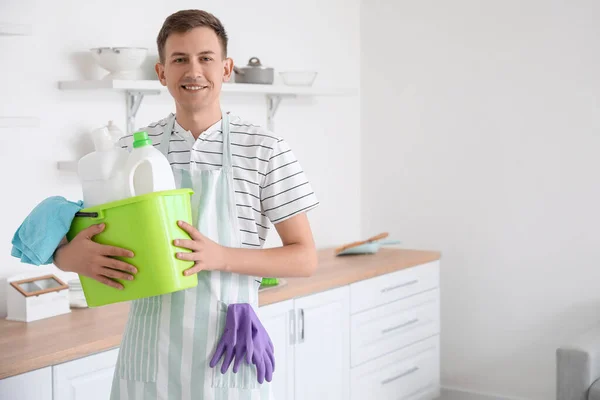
(244,179)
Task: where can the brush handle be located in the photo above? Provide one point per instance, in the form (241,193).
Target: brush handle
(377,237)
(354,244)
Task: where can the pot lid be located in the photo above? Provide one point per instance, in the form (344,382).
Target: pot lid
(254,62)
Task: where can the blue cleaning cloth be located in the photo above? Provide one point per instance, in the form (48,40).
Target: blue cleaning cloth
(41,232)
(369,248)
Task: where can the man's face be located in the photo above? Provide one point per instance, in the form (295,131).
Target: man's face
(194,68)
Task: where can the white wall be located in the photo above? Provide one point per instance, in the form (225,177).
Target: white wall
(324,131)
(480,138)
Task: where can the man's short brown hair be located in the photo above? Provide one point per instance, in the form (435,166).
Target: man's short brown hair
(186,20)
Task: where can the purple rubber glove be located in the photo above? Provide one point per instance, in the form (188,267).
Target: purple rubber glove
(244,335)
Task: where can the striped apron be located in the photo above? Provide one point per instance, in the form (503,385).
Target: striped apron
(170,339)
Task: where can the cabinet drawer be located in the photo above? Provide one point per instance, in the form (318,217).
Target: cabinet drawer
(409,374)
(390,287)
(392,326)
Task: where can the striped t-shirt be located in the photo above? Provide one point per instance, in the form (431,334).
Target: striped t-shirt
(270,185)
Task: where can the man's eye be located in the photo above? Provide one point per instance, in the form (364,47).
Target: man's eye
(179,60)
(206,59)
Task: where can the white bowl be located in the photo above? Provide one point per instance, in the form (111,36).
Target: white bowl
(121,62)
(298,78)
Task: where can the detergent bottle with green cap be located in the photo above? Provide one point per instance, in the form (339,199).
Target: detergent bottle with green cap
(147,170)
(100,172)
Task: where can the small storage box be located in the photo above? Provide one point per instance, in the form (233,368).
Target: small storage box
(146,225)
(36,298)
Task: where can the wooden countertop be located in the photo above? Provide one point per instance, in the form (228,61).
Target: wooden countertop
(28,346)
(344,270)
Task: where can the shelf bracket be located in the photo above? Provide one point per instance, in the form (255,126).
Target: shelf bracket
(134,99)
(273,101)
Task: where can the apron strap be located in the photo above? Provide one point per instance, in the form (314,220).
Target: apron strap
(227,162)
(166,136)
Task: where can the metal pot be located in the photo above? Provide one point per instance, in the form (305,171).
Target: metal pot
(254,72)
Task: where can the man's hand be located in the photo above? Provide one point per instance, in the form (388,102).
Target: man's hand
(296,258)
(207,254)
(88,258)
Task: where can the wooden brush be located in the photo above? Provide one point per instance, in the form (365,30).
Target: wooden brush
(355,244)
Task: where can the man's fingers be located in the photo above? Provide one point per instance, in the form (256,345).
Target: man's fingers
(120,265)
(187,256)
(113,251)
(91,231)
(194,270)
(108,282)
(113,273)
(193,232)
(187,244)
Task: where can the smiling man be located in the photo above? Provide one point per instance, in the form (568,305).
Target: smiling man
(245,179)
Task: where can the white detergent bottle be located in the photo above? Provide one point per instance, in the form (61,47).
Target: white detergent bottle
(115,132)
(101,171)
(147,170)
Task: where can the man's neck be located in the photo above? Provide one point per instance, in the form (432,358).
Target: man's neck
(198,121)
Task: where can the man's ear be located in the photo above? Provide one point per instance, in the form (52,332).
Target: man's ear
(160,72)
(227,69)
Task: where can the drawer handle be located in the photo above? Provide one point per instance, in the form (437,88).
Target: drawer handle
(404,325)
(390,288)
(402,375)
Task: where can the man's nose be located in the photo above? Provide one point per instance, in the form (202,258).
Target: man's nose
(195,70)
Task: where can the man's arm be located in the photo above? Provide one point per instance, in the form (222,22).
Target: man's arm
(297,256)
(284,190)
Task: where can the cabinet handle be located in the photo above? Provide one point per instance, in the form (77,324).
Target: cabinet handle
(402,375)
(301,329)
(292,327)
(404,325)
(390,288)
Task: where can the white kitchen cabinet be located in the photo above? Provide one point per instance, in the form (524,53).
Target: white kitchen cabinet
(278,319)
(395,328)
(322,354)
(33,385)
(87,378)
(311,336)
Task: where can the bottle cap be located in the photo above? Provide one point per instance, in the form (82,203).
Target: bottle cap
(141,139)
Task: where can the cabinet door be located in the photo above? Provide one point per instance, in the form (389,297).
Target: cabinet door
(88,378)
(322,351)
(279,322)
(34,385)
